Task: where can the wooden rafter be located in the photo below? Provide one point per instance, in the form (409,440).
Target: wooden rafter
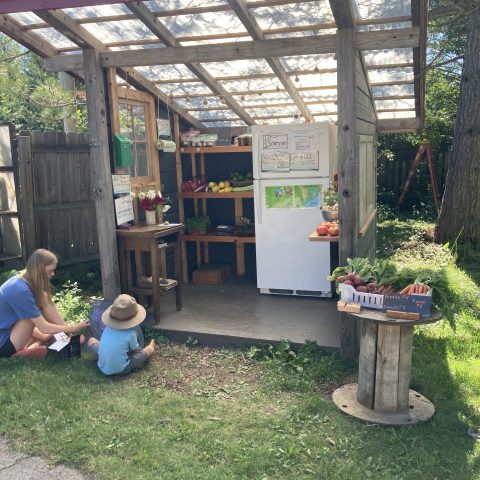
(156,27)
(241,9)
(68,27)
(376,40)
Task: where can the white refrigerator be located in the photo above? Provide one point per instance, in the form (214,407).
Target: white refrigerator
(291,168)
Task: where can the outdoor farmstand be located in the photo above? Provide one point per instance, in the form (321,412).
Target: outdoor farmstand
(153,72)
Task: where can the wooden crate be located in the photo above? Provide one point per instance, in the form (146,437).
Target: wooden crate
(212,274)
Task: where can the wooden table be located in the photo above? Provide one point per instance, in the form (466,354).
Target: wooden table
(148,238)
(382,394)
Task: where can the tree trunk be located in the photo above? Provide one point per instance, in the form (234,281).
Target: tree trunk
(460,213)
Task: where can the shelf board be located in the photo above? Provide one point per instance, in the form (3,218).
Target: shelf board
(216,195)
(315,237)
(8,213)
(219,149)
(217,238)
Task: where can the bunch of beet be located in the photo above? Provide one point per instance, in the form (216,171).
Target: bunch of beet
(358,283)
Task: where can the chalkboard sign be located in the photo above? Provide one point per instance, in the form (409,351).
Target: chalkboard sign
(421,304)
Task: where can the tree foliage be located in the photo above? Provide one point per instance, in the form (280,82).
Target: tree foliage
(31,98)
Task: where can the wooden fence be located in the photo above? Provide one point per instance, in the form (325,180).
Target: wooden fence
(58,211)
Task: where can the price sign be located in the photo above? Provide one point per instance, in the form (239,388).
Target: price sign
(123,209)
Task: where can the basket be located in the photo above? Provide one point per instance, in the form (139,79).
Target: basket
(241,183)
(370,300)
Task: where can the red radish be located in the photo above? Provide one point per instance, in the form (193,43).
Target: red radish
(348,282)
(350,276)
(341,279)
(357,280)
(371,287)
(362,288)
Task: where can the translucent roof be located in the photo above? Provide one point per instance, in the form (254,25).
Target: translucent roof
(258,90)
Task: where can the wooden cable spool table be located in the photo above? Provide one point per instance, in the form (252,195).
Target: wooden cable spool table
(382,394)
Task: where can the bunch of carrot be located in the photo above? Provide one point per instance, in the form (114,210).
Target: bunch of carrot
(415,288)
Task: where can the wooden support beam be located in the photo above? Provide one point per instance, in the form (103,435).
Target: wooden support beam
(156,27)
(348,159)
(101,175)
(279,47)
(343,13)
(240,7)
(399,125)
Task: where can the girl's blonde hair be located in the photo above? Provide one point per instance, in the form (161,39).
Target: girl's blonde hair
(37,275)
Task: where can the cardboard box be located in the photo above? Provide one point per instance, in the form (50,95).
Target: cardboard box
(211,274)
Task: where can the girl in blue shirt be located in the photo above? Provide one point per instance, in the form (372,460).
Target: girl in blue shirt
(28,316)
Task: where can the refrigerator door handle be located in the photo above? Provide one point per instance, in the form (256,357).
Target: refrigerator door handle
(257,200)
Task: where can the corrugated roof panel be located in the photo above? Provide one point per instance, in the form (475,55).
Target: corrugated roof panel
(25,18)
(54,37)
(292,14)
(370,9)
(309,62)
(390,74)
(159,5)
(400,104)
(210,23)
(120,31)
(383,57)
(389,90)
(312,95)
(98,11)
(237,67)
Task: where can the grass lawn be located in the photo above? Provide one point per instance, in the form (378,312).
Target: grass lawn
(262,413)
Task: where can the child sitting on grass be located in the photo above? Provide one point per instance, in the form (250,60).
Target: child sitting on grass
(118,350)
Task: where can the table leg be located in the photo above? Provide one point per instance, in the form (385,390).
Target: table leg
(155,284)
(367,364)
(123,268)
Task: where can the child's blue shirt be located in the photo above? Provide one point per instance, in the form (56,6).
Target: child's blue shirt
(114,347)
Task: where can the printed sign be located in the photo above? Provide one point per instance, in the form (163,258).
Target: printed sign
(408,303)
(124,209)
(121,184)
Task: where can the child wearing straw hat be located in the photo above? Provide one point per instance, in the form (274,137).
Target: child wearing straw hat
(118,350)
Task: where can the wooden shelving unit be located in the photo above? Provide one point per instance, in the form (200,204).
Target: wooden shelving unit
(198,157)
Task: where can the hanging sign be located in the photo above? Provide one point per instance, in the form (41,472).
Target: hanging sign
(121,184)
(124,209)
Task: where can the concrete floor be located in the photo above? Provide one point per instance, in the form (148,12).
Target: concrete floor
(235,313)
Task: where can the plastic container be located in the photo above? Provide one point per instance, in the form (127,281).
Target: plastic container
(369,300)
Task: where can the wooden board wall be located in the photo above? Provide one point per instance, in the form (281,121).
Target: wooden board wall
(366,126)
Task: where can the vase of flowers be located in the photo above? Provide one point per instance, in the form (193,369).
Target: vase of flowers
(154,205)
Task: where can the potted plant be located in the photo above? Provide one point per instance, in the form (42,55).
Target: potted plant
(330,204)
(197,225)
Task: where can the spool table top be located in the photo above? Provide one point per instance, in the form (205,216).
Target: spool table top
(380,316)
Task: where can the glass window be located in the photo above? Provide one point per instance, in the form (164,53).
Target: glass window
(133,125)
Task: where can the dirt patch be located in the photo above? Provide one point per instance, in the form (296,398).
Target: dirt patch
(327,387)
(203,371)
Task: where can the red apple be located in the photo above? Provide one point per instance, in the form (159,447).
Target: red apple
(333,231)
(322,230)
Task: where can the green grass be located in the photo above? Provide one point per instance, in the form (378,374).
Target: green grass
(262,413)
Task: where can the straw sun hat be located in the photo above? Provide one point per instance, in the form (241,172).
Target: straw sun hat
(124,313)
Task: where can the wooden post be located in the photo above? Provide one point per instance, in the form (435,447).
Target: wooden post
(25,167)
(101,174)
(68,84)
(347,170)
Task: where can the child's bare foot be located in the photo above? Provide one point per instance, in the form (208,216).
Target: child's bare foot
(150,348)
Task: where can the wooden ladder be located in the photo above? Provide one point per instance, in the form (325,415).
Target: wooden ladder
(423,148)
